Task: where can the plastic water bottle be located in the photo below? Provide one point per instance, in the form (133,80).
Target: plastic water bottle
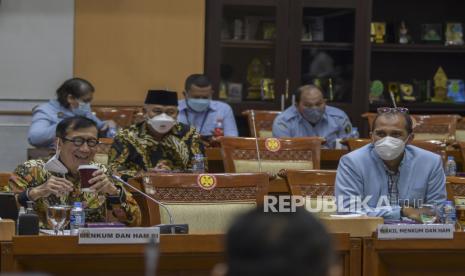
(355,134)
(198,165)
(448,213)
(451,167)
(218,131)
(77,218)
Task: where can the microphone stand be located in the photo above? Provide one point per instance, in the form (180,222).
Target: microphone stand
(170,228)
(252,113)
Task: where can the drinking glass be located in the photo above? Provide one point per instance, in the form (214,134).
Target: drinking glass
(67,217)
(429,213)
(56,216)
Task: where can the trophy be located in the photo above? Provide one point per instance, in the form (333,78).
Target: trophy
(376,91)
(431,33)
(404,37)
(456,91)
(440,86)
(378,32)
(255,74)
(454,34)
(407,92)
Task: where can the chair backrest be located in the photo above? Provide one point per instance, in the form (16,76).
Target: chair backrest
(4,177)
(455,187)
(354,144)
(263,122)
(40,153)
(103,148)
(311,183)
(208,209)
(240,154)
(441,127)
(123,116)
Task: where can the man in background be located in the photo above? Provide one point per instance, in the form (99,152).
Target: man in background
(200,111)
(310,116)
(391,175)
(159,143)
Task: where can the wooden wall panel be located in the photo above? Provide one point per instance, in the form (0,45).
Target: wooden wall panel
(125,47)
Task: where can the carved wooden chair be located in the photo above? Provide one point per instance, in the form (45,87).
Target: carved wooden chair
(455,187)
(429,127)
(4,177)
(208,209)
(123,116)
(103,148)
(240,154)
(263,122)
(354,144)
(313,185)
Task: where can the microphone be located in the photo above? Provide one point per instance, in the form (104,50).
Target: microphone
(252,113)
(393,99)
(170,228)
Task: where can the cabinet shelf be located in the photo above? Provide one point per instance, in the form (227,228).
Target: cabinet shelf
(341,46)
(417,48)
(249,44)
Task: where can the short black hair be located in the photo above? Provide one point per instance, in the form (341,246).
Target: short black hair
(268,243)
(73,123)
(301,89)
(406,116)
(75,87)
(198,80)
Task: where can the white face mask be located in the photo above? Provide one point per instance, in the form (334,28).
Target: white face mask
(161,123)
(55,165)
(389,148)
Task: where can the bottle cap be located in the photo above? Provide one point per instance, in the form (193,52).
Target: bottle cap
(77,204)
(450,158)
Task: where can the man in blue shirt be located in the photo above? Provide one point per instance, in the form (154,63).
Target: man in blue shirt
(389,175)
(310,116)
(203,113)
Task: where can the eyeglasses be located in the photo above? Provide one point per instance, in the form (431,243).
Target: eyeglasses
(79,141)
(381,110)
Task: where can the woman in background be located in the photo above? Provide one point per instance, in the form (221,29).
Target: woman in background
(73,98)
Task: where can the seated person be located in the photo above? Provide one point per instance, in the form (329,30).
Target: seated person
(73,98)
(267,243)
(157,144)
(203,113)
(389,174)
(57,181)
(310,116)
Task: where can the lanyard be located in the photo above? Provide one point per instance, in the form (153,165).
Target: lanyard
(203,120)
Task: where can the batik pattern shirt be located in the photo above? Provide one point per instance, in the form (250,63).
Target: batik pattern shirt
(134,150)
(32,174)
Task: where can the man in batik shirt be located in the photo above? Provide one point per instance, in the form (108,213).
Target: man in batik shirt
(57,181)
(157,144)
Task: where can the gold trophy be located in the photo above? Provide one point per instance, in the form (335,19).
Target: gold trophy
(255,74)
(378,32)
(440,86)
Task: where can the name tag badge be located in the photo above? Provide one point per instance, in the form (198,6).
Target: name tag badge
(415,231)
(133,235)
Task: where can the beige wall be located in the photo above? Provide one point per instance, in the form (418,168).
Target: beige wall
(125,47)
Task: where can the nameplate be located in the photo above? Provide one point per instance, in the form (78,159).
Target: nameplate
(130,235)
(415,231)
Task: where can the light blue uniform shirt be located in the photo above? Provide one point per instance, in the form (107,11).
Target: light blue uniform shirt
(45,118)
(333,125)
(205,121)
(363,173)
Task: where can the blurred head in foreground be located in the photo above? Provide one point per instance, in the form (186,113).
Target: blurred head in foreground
(267,243)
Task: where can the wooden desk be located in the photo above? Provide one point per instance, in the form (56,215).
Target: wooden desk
(414,257)
(180,255)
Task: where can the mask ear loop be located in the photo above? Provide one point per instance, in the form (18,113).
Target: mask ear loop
(57,156)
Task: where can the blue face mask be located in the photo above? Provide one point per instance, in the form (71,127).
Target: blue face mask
(83,109)
(198,105)
(313,115)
